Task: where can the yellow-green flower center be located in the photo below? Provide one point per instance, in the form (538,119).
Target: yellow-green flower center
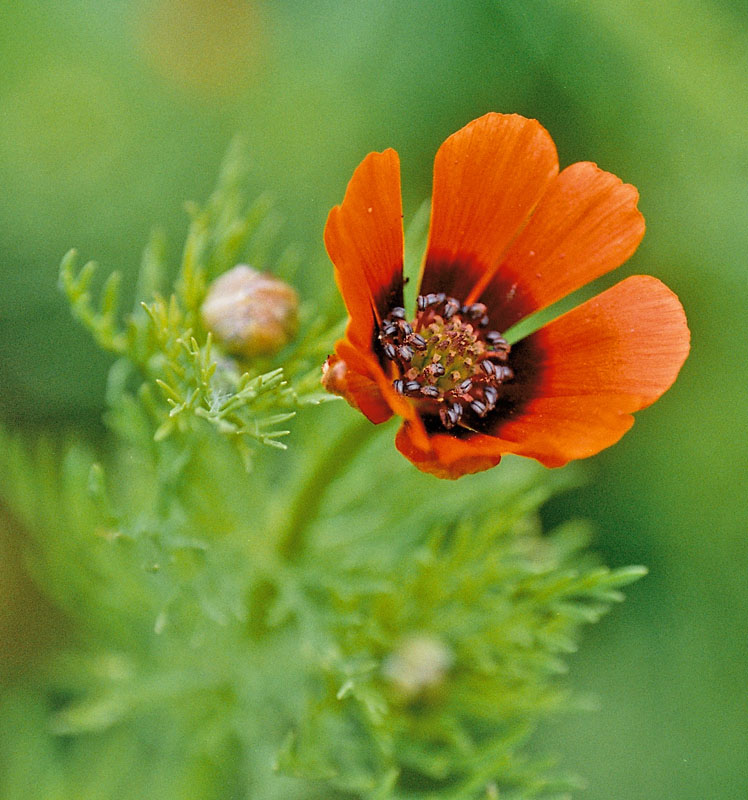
(447,359)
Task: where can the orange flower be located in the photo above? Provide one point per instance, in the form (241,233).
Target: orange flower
(509,235)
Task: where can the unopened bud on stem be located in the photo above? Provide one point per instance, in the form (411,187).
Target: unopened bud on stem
(419,664)
(251,313)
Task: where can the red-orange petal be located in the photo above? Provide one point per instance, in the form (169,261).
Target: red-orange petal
(488,178)
(446,456)
(361,391)
(364,239)
(585,225)
(373,393)
(611,356)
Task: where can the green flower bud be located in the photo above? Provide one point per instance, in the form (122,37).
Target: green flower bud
(251,313)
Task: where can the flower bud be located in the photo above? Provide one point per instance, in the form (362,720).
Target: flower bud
(251,313)
(419,665)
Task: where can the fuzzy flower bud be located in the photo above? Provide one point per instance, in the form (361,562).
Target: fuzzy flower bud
(251,313)
(419,664)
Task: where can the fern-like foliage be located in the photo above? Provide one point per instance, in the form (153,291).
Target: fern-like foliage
(440,651)
(164,337)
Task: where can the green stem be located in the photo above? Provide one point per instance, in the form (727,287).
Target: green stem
(306,505)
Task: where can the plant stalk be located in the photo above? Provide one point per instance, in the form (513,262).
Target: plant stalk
(306,505)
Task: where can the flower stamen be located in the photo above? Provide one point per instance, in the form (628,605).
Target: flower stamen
(446,361)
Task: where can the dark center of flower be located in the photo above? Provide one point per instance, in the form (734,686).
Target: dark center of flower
(448,360)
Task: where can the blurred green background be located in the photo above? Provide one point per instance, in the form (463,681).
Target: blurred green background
(112,113)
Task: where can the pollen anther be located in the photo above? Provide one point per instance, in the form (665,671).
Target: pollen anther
(445,360)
